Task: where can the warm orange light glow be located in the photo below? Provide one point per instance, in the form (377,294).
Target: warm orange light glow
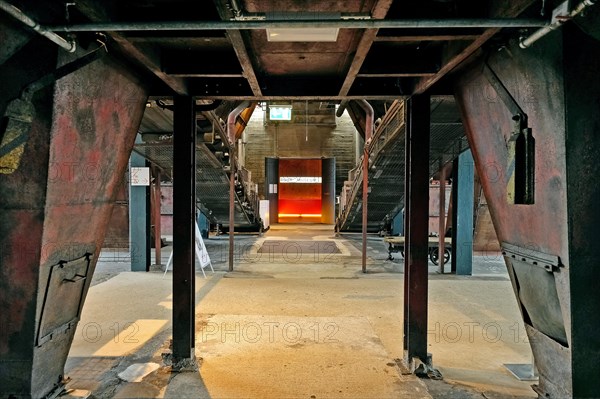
(299,215)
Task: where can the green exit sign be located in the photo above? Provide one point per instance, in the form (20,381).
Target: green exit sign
(280,112)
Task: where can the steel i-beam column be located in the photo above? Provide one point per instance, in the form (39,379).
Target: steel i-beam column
(365,178)
(415,268)
(184,199)
(406,221)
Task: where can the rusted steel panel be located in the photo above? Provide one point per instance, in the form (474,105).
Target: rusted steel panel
(22,199)
(56,208)
(560,225)
(534,77)
(95,109)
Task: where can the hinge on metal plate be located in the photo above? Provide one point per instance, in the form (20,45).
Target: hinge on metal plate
(550,263)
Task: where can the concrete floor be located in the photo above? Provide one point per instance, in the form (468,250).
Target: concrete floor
(297,320)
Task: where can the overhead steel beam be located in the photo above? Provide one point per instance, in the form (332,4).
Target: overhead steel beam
(150,62)
(235,36)
(366,41)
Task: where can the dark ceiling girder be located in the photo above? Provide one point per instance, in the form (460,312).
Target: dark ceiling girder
(95,12)
(150,62)
(235,36)
(379,12)
(359,58)
(499,9)
(240,48)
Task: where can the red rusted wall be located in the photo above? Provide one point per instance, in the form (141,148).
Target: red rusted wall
(22,200)
(556,84)
(534,78)
(58,204)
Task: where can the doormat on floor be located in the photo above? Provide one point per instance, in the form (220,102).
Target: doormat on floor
(298,248)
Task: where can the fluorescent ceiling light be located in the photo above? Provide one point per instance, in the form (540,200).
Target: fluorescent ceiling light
(302,34)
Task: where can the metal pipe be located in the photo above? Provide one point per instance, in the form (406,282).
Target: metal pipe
(326,23)
(156,212)
(341,108)
(538,34)
(442,220)
(231,136)
(235,7)
(20,16)
(365,177)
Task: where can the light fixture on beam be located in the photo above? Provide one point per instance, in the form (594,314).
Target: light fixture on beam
(302,34)
(299,34)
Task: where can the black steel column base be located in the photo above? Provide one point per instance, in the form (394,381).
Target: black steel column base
(422,368)
(180,365)
(185,365)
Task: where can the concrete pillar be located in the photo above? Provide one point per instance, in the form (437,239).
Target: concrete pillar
(398,224)
(139,219)
(328,191)
(271,188)
(464,214)
(203,225)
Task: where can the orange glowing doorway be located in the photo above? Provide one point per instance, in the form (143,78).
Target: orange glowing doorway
(300,190)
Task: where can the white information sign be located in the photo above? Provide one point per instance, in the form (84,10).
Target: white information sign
(201,254)
(140,176)
(300,179)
